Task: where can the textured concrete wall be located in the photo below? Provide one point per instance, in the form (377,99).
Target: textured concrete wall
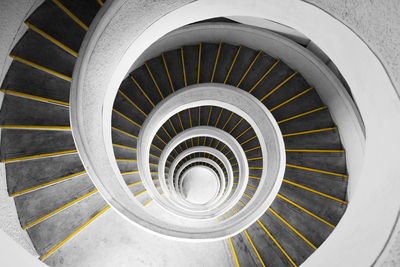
(376,22)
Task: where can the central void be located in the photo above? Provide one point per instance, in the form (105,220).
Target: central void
(199,185)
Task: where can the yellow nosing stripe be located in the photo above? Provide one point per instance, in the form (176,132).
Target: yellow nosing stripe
(133,103)
(74,233)
(303,114)
(59,209)
(131,135)
(154,81)
(51,39)
(34,65)
(147,202)
(126,160)
(251,149)
(138,182)
(233,63)
(233,252)
(75,18)
(292,228)
(198,67)
(243,132)
(279,86)
(248,69)
(314,150)
(246,195)
(141,192)
(254,158)
(166,69)
(183,67)
(315,170)
(100,2)
(141,89)
(10,92)
(36,127)
(236,125)
(127,118)
(40,156)
(265,74)
(306,211)
(124,146)
(312,131)
(248,140)
(216,62)
(131,172)
(315,191)
(254,248)
(46,184)
(291,99)
(258,178)
(276,243)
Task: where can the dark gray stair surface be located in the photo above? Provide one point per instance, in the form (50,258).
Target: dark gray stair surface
(22,111)
(23,175)
(25,79)
(37,49)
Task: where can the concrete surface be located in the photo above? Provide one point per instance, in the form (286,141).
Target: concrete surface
(376,22)
(103,244)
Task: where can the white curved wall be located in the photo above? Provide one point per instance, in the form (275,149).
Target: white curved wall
(363,72)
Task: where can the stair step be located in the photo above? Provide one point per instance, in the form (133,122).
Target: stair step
(27,80)
(34,206)
(37,49)
(17,110)
(50,19)
(30,175)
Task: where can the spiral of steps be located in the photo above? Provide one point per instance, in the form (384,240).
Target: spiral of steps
(56,199)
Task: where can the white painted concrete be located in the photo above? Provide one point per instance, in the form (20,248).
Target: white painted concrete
(199,185)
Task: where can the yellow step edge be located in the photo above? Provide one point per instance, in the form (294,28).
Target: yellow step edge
(254,248)
(255,158)
(251,149)
(302,114)
(133,160)
(293,229)
(141,192)
(51,39)
(183,67)
(36,127)
(154,81)
(265,74)
(276,243)
(233,251)
(198,68)
(141,89)
(306,211)
(166,69)
(243,133)
(127,118)
(131,172)
(132,103)
(40,156)
(100,2)
(291,99)
(279,86)
(248,69)
(312,131)
(315,170)
(233,63)
(133,148)
(258,178)
(147,202)
(34,65)
(69,13)
(216,62)
(118,130)
(46,184)
(59,209)
(74,233)
(138,182)
(248,140)
(315,191)
(314,150)
(10,92)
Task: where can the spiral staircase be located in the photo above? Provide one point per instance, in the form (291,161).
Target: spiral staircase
(164,127)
